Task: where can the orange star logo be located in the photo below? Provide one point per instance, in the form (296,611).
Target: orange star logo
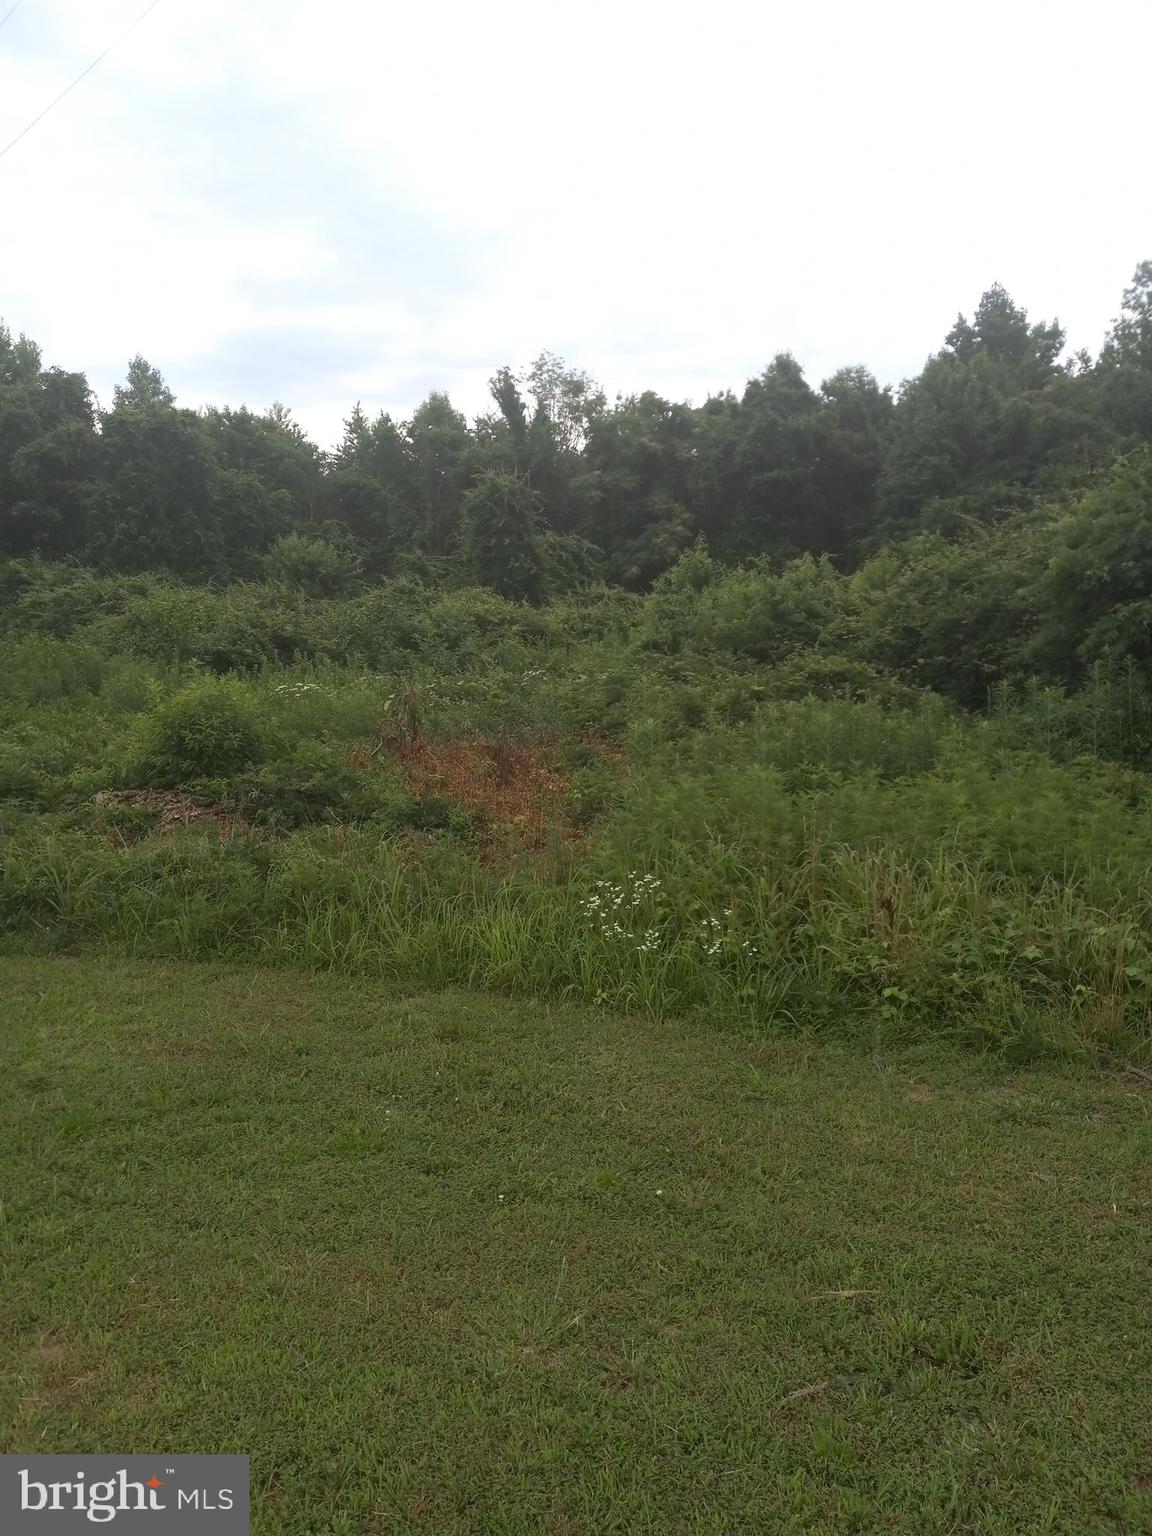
(155,1482)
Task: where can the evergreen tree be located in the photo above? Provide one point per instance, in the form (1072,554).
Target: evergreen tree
(500,537)
(441,453)
(994,424)
(1125,370)
(48,454)
(513,415)
(852,435)
(369,489)
(977,427)
(641,455)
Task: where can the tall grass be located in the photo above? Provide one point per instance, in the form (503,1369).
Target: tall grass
(882,865)
(832,937)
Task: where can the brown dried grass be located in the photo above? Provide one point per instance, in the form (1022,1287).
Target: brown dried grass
(508,785)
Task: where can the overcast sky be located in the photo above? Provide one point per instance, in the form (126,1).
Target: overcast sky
(324,202)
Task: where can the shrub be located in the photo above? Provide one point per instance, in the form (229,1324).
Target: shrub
(474,618)
(59,599)
(312,783)
(951,616)
(315,566)
(766,614)
(425,813)
(207,730)
(41,668)
(570,563)
(836,675)
(592,789)
(19,776)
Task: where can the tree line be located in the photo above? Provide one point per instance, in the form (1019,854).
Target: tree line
(554,485)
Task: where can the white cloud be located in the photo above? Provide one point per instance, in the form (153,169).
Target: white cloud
(664,193)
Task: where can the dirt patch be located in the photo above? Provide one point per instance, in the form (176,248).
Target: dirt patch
(510,786)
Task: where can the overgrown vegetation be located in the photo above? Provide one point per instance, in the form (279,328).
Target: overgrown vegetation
(622,802)
(810,709)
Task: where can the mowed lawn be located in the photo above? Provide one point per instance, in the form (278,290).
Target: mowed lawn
(455,1264)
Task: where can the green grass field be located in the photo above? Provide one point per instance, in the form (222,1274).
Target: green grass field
(454,1264)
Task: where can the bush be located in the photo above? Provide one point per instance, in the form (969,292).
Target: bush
(951,616)
(836,675)
(19,777)
(315,566)
(208,730)
(240,630)
(425,813)
(570,563)
(59,599)
(313,783)
(792,830)
(500,537)
(42,668)
(592,789)
(757,613)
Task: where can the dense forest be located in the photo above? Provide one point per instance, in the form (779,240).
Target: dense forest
(554,485)
(806,706)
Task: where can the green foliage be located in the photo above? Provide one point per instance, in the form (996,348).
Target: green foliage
(1094,594)
(1125,365)
(57,600)
(439,455)
(758,613)
(815,674)
(996,422)
(1108,717)
(693,571)
(207,730)
(42,668)
(311,781)
(640,458)
(951,615)
(500,539)
(272,449)
(314,566)
(858,863)
(568,562)
(991,412)
(858,737)
(49,453)
(20,777)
